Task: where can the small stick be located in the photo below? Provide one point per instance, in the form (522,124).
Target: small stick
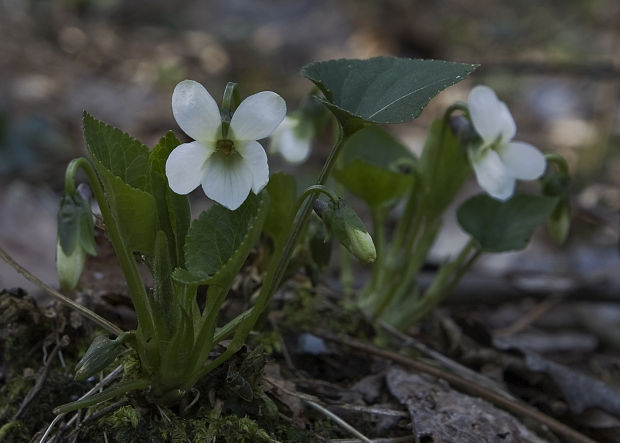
(41,379)
(513,406)
(309,400)
(105,324)
(107,379)
(531,316)
(340,422)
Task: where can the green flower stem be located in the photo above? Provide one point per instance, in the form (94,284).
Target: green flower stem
(315,189)
(137,291)
(402,278)
(407,217)
(457,106)
(231,100)
(446,279)
(277,269)
(378,268)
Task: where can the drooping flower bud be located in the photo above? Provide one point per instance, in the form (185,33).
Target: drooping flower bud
(69,266)
(558,223)
(556,184)
(349,230)
(75,239)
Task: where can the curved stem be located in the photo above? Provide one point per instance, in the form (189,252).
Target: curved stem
(457,106)
(313,190)
(137,291)
(559,161)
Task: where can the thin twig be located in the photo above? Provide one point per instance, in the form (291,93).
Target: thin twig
(42,377)
(446,362)
(403,439)
(107,379)
(531,316)
(514,406)
(340,422)
(105,324)
(311,401)
(102,412)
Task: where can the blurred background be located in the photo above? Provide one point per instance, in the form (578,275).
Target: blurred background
(555,63)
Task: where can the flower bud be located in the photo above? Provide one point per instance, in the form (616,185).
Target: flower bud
(349,230)
(75,239)
(558,223)
(101,352)
(69,267)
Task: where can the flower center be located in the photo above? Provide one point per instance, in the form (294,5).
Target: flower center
(225,146)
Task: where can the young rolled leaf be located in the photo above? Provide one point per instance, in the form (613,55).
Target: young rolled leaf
(219,241)
(282,190)
(504,226)
(382,89)
(173,212)
(443,167)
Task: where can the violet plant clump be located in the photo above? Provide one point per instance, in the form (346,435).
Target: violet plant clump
(142,196)
(499,220)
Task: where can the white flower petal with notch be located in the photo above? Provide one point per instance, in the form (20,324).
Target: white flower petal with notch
(195,111)
(258,116)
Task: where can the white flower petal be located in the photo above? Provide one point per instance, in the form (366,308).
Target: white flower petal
(254,155)
(285,139)
(492,175)
(258,116)
(185,166)
(523,160)
(195,111)
(490,117)
(227,180)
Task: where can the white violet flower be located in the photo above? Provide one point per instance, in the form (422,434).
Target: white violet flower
(227,168)
(499,161)
(292,139)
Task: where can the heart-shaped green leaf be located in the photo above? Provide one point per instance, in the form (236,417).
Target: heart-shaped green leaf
(382,89)
(219,241)
(504,226)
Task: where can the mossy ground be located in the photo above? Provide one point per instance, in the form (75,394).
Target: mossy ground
(231,404)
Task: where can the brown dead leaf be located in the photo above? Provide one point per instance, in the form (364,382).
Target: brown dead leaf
(445,415)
